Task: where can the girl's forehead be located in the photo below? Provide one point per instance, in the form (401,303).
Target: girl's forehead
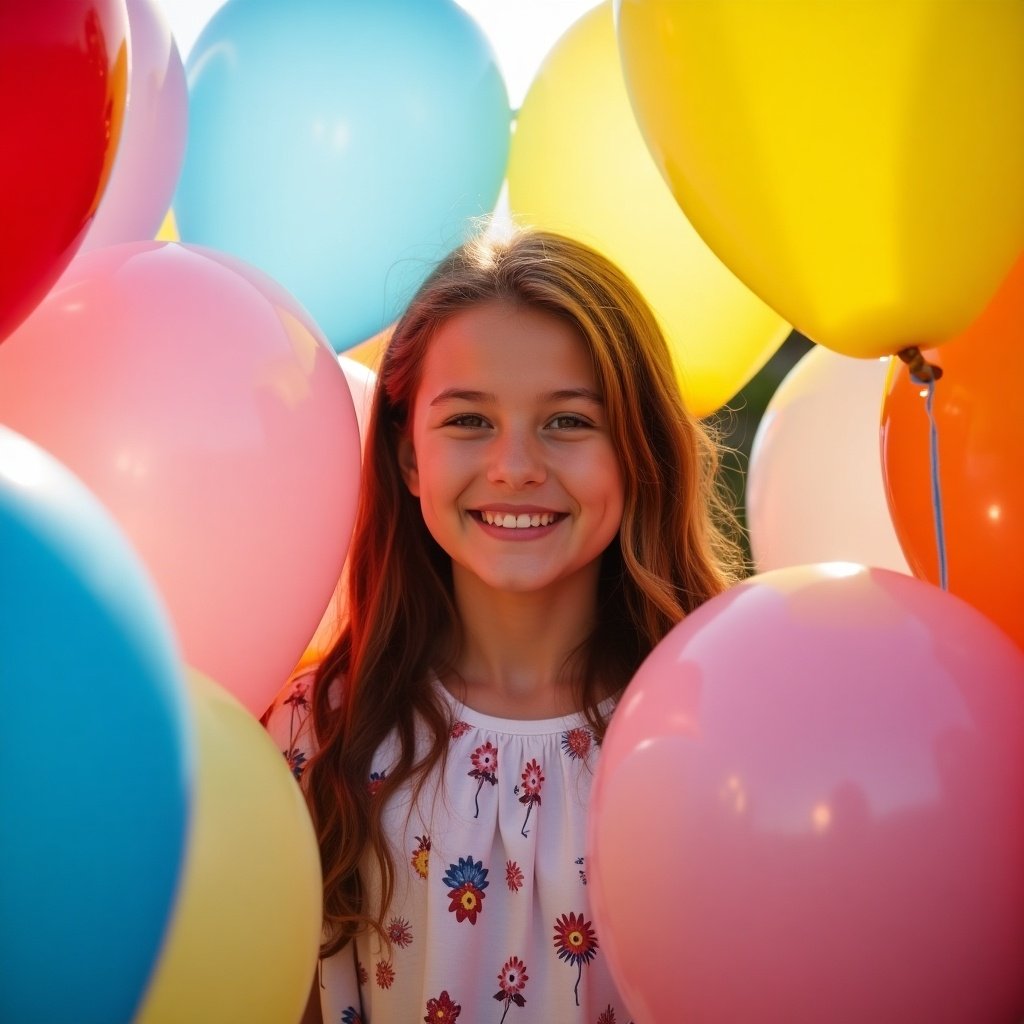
(505,344)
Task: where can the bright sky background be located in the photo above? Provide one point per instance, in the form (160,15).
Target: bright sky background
(521,31)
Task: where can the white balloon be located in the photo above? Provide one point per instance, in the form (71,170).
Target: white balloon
(361,382)
(151,148)
(815,490)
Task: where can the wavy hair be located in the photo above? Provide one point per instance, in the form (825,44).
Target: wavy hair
(675,549)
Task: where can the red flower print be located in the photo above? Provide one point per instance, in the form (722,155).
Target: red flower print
(575,943)
(576,743)
(442,1010)
(460,729)
(385,973)
(466,902)
(376,781)
(361,973)
(420,859)
(399,932)
(533,779)
(513,979)
(485,758)
(513,976)
(485,768)
(513,876)
(607,1016)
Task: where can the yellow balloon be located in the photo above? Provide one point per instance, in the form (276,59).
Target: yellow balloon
(244,939)
(858,163)
(578,165)
(168,230)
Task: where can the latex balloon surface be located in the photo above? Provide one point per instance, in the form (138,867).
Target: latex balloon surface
(980,431)
(814,489)
(152,142)
(361,382)
(207,411)
(342,147)
(246,929)
(63,83)
(858,164)
(578,165)
(815,782)
(95,751)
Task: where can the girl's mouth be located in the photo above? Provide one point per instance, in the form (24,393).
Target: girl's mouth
(520,521)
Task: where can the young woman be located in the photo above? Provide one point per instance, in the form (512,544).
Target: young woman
(537,510)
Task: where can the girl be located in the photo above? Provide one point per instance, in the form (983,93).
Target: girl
(537,511)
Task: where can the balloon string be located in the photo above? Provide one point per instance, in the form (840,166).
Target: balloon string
(933,446)
(925,373)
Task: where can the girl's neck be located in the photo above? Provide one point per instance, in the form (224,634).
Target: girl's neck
(512,663)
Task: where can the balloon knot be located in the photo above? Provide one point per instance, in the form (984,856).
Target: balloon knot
(921,371)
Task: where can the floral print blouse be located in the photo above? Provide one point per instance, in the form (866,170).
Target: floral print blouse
(490,919)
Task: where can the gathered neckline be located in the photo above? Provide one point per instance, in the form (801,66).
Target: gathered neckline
(516,726)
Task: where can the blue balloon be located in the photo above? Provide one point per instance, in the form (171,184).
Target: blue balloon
(342,146)
(95,753)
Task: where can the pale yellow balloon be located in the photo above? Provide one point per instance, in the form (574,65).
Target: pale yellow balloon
(168,231)
(579,165)
(244,938)
(858,163)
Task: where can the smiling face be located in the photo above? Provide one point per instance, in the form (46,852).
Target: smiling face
(510,454)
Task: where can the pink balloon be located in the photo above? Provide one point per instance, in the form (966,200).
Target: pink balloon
(810,807)
(203,406)
(152,143)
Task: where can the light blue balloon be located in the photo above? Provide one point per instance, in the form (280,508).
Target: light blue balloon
(343,146)
(95,753)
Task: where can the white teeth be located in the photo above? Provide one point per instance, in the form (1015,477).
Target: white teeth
(519,522)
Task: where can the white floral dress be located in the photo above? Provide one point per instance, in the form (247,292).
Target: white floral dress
(490,919)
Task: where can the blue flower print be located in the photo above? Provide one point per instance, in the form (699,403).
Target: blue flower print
(467,880)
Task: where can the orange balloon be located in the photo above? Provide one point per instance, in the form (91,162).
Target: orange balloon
(977,408)
(371,351)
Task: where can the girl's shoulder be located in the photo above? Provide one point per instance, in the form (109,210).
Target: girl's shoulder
(289,720)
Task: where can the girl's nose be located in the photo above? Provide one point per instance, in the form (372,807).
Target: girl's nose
(516,459)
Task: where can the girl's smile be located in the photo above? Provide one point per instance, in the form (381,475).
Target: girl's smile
(509,450)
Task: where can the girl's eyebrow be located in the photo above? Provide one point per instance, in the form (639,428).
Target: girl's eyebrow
(562,395)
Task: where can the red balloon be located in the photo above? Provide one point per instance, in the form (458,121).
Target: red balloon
(810,807)
(63,85)
(980,427)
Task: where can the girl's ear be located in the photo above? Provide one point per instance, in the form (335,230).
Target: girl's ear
(407,465)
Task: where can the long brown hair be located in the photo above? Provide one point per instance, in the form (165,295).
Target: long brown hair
(675,548)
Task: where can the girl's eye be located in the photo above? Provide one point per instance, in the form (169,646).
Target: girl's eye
(467,419)
(568,421)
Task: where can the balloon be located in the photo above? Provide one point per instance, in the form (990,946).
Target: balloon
(814,489)
(342,147)
(95,752)
(203,406)
(168,230)
(977,411)
(371,352)
(858,165)
(63,81)
(810,807)
(578,165)
(246,931)
(152,146)
(361,382)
